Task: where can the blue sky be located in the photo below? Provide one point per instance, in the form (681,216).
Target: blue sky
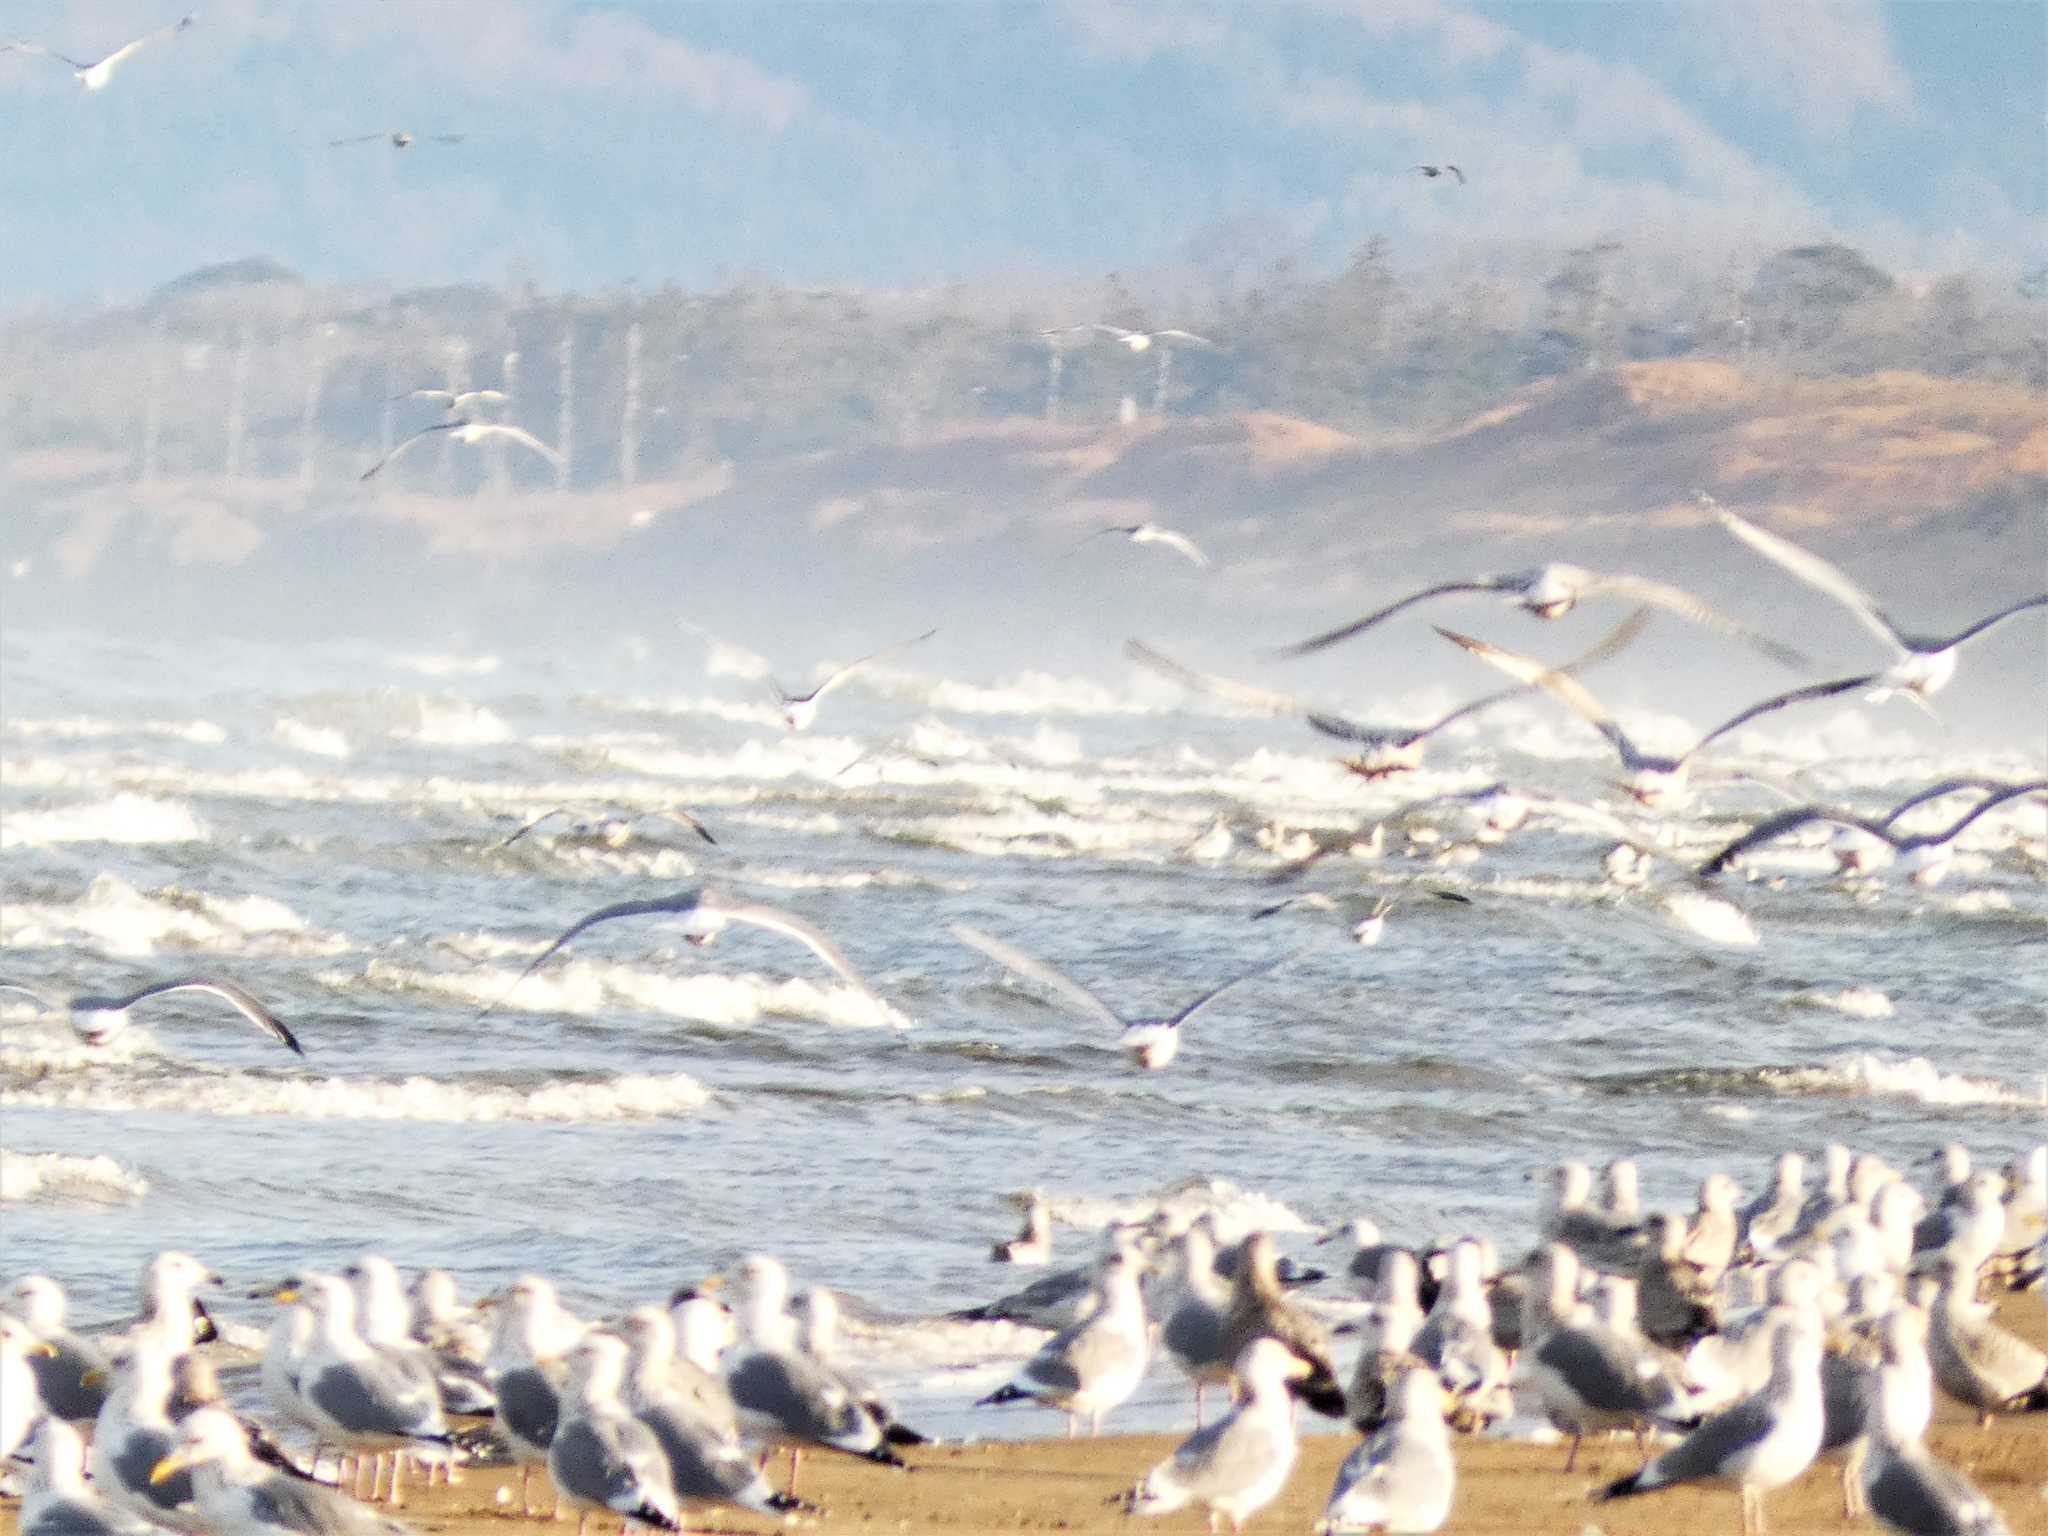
(904,144)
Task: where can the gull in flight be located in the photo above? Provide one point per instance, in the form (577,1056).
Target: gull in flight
(97,1020)
(455,401)
(1367,931)
(1550,592)
(399,137)
(1446,169)
(705,917)
(1925,854)
(1657,782)
(1384,750)
(800,709)
(95,75)
(614,825)
(1153,1043)
(470,432)
(1921,664)
(1137,341)
(1153,533)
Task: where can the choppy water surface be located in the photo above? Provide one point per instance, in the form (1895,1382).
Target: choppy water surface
(322,826)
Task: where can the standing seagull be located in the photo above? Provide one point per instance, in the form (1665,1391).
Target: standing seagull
(1153,1043)
(1239,1464)
(237,1495)
(94,76)
(96,1020)
(470,432)
(1552,591)
(1921,664)
(1091,1366)
(800,709)
(1153,533)
(602,1457)
(705,916)
(1434,171)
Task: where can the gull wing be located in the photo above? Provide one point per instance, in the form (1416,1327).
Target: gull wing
(1935,792)
(775,920)
(1619,639)
(1102,329)
(1455,172)
(1803,695)
(50,1001)
(2010,792)
(1213,993)
(520,435)
(1330,637)
(1563,687)
(683,819)
(1817,573)
(2037,601)
(1677,600)
(1200,341)
(560,810)
(366,138)
(679,902)
(250,1007)
(445,426)
(1180,543)
(1047,975)
(854,666)
(1257,699)
(1771,828)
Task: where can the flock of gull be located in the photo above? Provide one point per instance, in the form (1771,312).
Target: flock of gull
(1755,1338)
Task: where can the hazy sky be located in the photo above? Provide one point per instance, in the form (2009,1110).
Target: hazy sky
(653,141)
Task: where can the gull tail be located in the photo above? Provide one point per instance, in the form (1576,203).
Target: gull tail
(647,1514)
(1009,1394)
(882,1456)
(790,1504)
(903,1434)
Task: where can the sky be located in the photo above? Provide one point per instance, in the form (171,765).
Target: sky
(655,142)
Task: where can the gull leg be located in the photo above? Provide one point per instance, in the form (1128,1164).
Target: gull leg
(1572,1460)
(397,1478)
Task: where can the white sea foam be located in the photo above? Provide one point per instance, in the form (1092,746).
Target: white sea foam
(318,740)
(628,1096)
(118,919)
(1234,1209)
(48,1178)
(1858,1002)
(587,987)
(203,733)
(434,665)
(1910,1077)
(124,818)
(38,1042)
(452,722)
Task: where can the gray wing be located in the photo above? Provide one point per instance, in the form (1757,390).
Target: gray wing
(1978,628)
(1358,626)
(1771,828)
(424,432)
(1706,1452)
(1954,828)
(608,1461)
(806,1402)
(775,920)
(701,1463)
(1240,694)
(1213,993)
(310,1508)
(1598,1376)
(679,902)
(1047,975)
(76,1517)
(854,666)
(1910,1490)
(1559,684)
(1193,1334)
(73,1382)
(50,1001)
(1230,1455)
(1817,573)
(1090,1349)
(246,1002)
(1681,602)
(371,1397)
(529,1405)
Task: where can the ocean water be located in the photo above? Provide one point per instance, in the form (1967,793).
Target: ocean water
(323,824)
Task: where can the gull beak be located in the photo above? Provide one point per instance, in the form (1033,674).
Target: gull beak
(94,1376)
(714,1282)
(170,1466)
(44,1348)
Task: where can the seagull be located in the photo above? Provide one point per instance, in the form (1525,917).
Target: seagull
(20,1406)
(97,1020)
(1239,1464)
(402,139)
(1384,750)
(705,916)
(1927,851)
(1550,592)
(1153,533)
(1401,1477)
(94,76)
(601,1456)
(1434,171)
(470,432)
(58,1502)
(1921,664)
(1093,1365)
(1139,341)
(1366,931)
(1655,781)
(1153,1043)
(612,823)
(71,1379)
(455,402)
(800,709)
(237,1495)
(1034,1244)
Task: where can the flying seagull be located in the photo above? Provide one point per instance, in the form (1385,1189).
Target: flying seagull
(705,916)
(97,1020)
(95,75)
(455,401)
(1152,533)
(1384,750)
(1921,664)
(1655,781)
(800,709)
(1138,341)
(1434,171)
(1550,592)
(399,137)
(610,819)
(470,432)
(1153,1043)
(1919,848)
